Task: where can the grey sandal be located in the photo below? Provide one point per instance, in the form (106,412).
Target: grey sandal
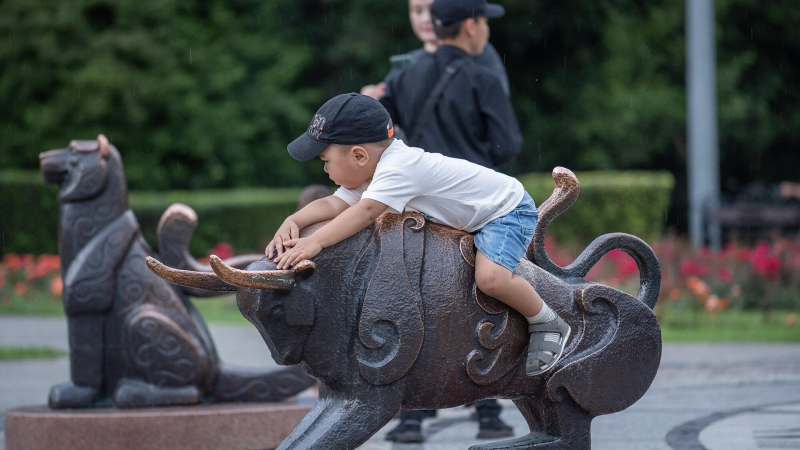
(539,361)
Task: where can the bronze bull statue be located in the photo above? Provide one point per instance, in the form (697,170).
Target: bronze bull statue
(134,339)
(391,319)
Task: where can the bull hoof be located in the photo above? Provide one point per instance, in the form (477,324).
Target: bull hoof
(533,441)
(67,395)
(137,394)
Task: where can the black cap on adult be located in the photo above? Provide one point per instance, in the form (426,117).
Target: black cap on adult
(449,12)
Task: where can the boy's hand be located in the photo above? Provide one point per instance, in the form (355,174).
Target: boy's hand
(288,231)
(301,249)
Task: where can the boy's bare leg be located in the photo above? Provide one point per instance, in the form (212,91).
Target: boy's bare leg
(549,333)
(513,290)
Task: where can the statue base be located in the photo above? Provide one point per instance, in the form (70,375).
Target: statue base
(242,425)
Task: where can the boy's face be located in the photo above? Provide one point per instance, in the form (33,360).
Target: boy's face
(419,13)
(481,36)
(350,168)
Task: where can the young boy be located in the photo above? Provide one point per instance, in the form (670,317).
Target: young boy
(352,134)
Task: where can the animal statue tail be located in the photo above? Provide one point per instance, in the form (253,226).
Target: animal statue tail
(563,196)
(251,384)
(623,337)
(174,232)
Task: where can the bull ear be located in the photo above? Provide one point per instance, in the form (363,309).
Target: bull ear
(102,142)
(304,269)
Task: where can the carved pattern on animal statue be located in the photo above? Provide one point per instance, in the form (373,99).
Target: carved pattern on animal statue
(501,346)
(163,352)
(390,328)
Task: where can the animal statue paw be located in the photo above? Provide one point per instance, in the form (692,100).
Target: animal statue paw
(67,395)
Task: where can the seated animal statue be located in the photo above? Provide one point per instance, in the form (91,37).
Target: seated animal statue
(391,319)
(134,338)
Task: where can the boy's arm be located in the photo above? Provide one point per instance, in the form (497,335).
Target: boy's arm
(317,211)
(349,222)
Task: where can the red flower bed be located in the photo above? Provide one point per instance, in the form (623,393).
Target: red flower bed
(765,276)
(21,273)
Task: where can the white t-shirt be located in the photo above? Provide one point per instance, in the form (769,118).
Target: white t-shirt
(449,191)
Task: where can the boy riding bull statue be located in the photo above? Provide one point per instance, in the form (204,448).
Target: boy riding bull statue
(438,302)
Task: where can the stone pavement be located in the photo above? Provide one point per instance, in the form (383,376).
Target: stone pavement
(705,396)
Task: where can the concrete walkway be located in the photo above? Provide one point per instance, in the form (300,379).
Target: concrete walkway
(720,396)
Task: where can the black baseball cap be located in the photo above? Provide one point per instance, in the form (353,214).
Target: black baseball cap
(347,119)
(449,12)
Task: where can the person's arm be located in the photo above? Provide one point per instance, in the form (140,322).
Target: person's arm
(317,211)
(501,123)
(349,222)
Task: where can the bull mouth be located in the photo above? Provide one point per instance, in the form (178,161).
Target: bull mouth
(57,178)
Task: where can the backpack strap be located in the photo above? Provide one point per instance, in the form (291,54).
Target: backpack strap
(430,104)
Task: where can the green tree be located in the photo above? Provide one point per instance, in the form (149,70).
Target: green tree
(208,93)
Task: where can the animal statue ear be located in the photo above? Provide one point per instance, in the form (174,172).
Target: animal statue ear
(102,142)
(303,270)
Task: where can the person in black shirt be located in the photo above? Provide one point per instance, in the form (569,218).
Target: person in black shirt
(473,120)
(471,117)
(419,14)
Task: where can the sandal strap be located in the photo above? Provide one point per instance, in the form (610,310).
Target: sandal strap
(543,358)
(547,346)
(554,326)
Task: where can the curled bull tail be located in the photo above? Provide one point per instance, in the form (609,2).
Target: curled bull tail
(564,195)
(618,337)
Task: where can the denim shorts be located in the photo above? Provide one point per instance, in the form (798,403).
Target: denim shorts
(506,239)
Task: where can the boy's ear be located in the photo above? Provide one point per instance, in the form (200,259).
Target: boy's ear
(360,154)
(468,26)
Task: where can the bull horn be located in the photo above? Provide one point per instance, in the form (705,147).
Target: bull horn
(201,280)
(279,280)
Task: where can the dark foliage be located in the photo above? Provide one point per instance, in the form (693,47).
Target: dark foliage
(207,94)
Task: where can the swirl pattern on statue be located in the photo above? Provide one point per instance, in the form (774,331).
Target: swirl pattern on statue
(499,338)
(163,353)
(390,328)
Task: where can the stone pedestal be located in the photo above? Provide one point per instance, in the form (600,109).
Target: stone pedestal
(233,426)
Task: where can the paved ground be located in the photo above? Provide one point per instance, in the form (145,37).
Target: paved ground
(724,396)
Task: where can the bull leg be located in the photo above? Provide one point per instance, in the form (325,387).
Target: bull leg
(339,423)
(554,426)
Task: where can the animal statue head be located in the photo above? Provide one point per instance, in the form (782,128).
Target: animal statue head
(80,170)
(391,319)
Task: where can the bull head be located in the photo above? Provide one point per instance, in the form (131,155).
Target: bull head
(281,310)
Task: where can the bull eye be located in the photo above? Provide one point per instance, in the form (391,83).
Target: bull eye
(277,312)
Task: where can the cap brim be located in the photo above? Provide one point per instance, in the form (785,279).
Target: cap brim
(494,11)
(306,148)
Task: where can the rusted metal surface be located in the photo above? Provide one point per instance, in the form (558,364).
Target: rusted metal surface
(392,319)
(134,339)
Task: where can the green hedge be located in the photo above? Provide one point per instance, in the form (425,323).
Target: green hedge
(628,202)
(631,202)
(244,218)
